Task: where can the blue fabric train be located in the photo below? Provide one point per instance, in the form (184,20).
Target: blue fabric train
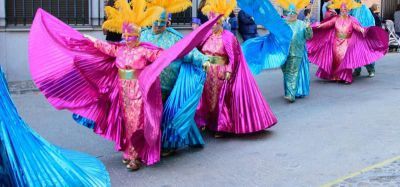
(182,86)
(29,160)
(269,51)
(364,16)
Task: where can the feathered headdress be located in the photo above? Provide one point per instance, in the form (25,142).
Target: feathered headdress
(350,4)
(171,6)
(222,7)
(134,13)
(293,5)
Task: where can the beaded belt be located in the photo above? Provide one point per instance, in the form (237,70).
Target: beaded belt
(127,74)
(342,35)
(221,60)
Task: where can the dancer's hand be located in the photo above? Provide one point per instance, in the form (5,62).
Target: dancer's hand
(91,38)
(228,75)
(206,66)
(363,32)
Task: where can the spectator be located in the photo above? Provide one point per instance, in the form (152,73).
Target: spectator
(375,12)
(397,20)
(302,13)
(203,18)
(195,23)
(326,11)
(247,26)
(233,21)
(325,7)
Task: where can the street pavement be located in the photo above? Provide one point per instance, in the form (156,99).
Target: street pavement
(338,130)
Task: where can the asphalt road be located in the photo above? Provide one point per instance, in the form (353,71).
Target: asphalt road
(337,130)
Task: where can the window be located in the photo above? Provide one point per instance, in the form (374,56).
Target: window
(182,18)
(21,12)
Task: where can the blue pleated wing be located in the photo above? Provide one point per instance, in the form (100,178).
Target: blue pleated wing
(269,51)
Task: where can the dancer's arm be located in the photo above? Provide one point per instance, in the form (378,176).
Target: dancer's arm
(358,27)
(105,47)
(328,24)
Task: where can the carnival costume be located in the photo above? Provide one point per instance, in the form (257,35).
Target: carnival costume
(104,82)
(231,101)
(29,160)
(182,82)
(340,44)
(284,47)
(296,74)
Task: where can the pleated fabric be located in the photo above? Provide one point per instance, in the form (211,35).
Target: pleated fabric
(242,107)
(361,51)
(30,160)
(177,51)
(84,121)
(182,82)
(303,81)
(364,16)
(179,127)
(269,51)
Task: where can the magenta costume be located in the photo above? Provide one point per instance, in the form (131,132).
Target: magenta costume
(104,82)
(236,105)
(338,47)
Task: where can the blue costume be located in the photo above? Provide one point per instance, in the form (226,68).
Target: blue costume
(283,47)
(182,86)
(29,160)
(296,68)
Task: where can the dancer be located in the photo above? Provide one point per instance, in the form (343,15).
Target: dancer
(232,101)
(340,44)
(29,160)
(366,19)
(284,47)
(181,82)
(296,69)
(103,82)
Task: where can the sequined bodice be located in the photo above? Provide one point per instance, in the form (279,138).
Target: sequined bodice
(343,27)
(214,46)
(135,58)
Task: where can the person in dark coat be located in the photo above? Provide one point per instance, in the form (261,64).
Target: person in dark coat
(378,22)
(203,18)
(375,12)
(233,21)
(247,26)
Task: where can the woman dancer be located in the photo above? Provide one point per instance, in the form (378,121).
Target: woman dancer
(103,82)
(232,101)
(340,44)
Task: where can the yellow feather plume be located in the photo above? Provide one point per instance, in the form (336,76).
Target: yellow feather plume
(298,4)
(136,12)
(171,6)
(350,4)
(224,7)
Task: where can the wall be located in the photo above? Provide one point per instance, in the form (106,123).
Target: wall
(14,53)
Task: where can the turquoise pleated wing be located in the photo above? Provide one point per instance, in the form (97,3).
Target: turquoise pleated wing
(29,160)
(303,82)
(269,51)
(364,16)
